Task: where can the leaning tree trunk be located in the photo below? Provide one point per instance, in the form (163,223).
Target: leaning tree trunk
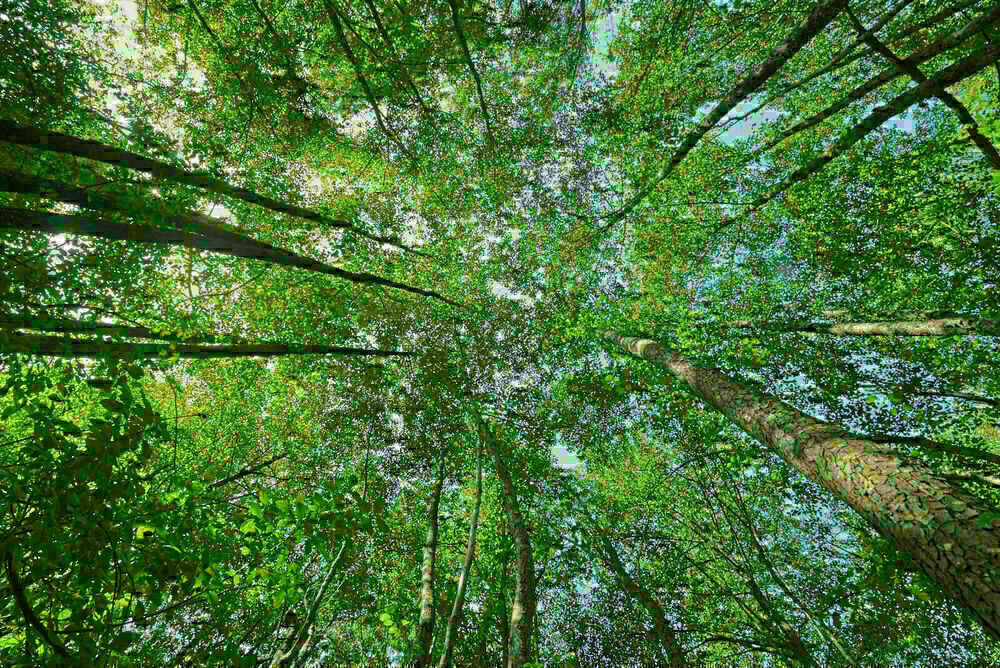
(55,346)
(953,325)
(425,630)
(954,537)
(48,140)
(663,631)
(522,614)
(451,634)
(219,241)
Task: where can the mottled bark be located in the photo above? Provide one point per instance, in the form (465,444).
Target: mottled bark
(668,639)
(949,76)
(55,346)
(425,629)
(916,58)
(84,148)
(522,614)
(954,537)
(451,633)
(825,12)
(228,244)
(956,325)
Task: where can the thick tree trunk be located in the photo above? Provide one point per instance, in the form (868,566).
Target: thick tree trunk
(522,614)
(451,634)
(56,346)
(955,538)
(425,630)
(955,325)
(663,631)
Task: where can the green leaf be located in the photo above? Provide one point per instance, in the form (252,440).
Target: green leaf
(249,526)
(112,405)
(256,510)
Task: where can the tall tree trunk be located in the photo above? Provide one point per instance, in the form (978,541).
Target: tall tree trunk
(956,325)
(92,150)
(451,634)
(954,537)
(663,631)
(425,630)
(949,76)
(301,637)
(821,16)
(218,241)
(55,346)
(919,56)
(522,614)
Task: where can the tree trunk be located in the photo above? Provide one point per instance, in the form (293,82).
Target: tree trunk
(55,346)
(821,16)
(74,326)
(954,537)
(949,76)
(916,58)
(957,325)
(425,630)
(84,148)
(522,613)
(663,631)
(226,243)
(451,634)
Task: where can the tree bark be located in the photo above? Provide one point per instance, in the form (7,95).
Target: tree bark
(954,537)
(425,630)
(956,325)
(522,614)
(84,148)
(825,12)
(451,634)
(229,244)
(55,346)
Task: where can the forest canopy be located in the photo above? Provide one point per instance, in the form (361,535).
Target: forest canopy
(533,333)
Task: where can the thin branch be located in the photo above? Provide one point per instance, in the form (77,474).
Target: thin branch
(29,615)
